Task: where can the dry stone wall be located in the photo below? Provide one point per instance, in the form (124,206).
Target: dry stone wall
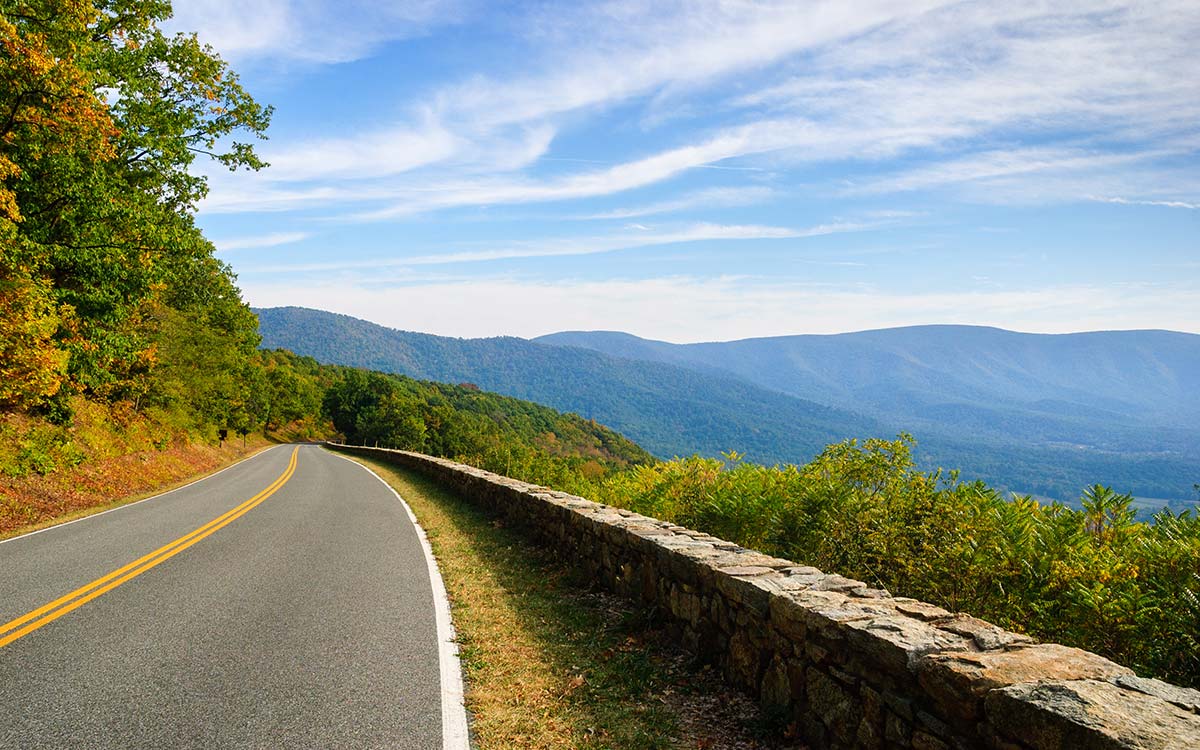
(848,665)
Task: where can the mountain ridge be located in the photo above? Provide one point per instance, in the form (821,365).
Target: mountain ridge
(692,412)
(1052,445)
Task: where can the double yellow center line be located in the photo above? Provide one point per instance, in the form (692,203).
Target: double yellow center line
(29,622)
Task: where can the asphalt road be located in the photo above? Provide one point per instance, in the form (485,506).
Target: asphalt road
(307,621)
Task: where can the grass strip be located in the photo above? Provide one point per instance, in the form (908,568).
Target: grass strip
(549,661)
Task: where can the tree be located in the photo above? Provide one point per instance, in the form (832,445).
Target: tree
(103,116)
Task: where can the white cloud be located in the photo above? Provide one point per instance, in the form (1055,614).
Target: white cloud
(260,241)
(573,246)
(952,83)
(684,309)
(594,55)
(307,30)
(710,198)
(1132,202)
(998,164)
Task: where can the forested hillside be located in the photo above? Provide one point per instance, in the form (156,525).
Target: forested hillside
(668,410)
(1116,390)
(126,351)
(503,434)
(701,408)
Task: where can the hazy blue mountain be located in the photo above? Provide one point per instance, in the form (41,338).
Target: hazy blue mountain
(1027,415)
(668,410)
(1116,390)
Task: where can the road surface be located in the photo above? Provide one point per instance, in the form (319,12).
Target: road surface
(283,603)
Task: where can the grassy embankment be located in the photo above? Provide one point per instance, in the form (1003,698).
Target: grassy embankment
(51,474)
(550,663)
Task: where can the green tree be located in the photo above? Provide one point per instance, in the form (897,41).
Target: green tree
(105,115)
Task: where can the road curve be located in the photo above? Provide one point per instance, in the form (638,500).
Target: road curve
(283,603)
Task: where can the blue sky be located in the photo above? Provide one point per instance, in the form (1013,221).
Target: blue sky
(716,170)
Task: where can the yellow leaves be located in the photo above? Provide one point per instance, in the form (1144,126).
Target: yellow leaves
(32,367)
(8,199)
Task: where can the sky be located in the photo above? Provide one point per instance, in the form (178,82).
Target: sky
(715,170)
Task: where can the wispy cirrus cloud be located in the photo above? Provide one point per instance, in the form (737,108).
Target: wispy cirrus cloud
(275,239)
(709,198)
(950,83)
(1134,202)
(307,31)
(573,246)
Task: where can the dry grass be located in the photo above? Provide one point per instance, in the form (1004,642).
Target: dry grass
(550,662)
(34,502)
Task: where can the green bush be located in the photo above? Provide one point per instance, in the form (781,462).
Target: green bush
(1093,578)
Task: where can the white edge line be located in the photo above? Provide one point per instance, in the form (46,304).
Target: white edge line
(454,712)
(144,499)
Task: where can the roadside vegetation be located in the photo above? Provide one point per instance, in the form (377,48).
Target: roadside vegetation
(121,335)
(551,663)
(1093,578)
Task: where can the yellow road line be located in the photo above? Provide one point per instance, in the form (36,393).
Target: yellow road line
(106,583)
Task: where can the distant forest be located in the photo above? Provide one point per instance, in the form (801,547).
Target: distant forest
(673,410)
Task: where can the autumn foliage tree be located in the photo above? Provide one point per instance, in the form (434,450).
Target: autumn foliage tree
(102,115)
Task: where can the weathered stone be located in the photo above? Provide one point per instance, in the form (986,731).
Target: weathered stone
(986,636)
(898,643)
(838,583)
(744,588)
(776,689)
(1089,715)
(843,677)
(896,730)
(869,736)
(1185,698)
(833,703)
(745,658)
(926,741)
(958,681)
(802,570)
(870,593)
(872,711)
(788,617)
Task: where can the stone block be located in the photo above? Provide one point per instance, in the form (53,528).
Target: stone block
(926,741)
(741,585)
(1089,715)
(836,706)
(958,681)
(1185,698)
(896,730)
(896,644)
(776,690)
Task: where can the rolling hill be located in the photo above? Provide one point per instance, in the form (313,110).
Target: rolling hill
(1110,390)
(1033,414)
(668,410)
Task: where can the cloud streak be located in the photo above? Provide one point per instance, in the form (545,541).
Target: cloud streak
(574,246)
(956,84)
(1131,202)
(274,239)
(306,31)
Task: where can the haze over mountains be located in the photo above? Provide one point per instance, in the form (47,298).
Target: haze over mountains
(1032,413)
(1110,389)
